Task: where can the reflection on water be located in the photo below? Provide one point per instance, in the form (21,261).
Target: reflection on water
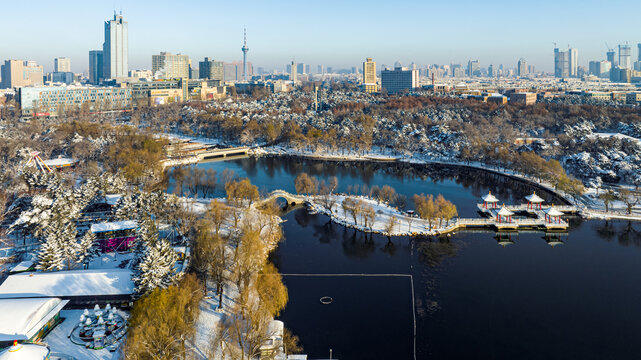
(478,295)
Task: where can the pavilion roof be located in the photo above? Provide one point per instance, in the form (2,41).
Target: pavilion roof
(505,212)
(534,198)
(489,198)
(552,211)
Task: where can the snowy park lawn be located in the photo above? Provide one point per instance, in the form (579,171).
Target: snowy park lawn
(405,224)
(59,342)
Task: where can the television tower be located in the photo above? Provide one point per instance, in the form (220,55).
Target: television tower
(245,49)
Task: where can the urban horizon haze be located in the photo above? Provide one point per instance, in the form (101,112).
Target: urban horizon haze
(332,33)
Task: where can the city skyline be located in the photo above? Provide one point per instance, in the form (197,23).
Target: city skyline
(78,29)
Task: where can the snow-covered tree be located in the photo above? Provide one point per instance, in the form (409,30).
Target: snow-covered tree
(87,249)
(156,267)
(50,256)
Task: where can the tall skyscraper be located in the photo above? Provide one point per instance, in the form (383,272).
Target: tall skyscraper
(521,69)
(170,66)
(625,56)
(19,73)
(213,70)
(573,62)
(115,50)
(610,56)
(561,63)
(369,71)
(95,66)
(293,72)
(473,68)
(245,49)
(62,64)
(369,75)
(639,54)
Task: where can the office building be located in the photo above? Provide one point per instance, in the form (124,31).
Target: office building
(639,52)
(115,50)
(369,76)
(561,63)
(62,64)
(610,56)
(637,65)
(523,98)
(95,67)
(573,62)
(54,100)
(293,72)
(233,71)
(300,68)
(141,74)
(170,66)
(400,79)
(625,56)
(522,68)
(19,73)
(61,77)
(212,70)
(473,68)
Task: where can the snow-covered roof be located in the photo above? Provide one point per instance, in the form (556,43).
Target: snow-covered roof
(23,266)
(114,226)
(61,161)
(552,211)
(20,319)
(25,352)
(489,198)
(505,212)
(68,283)
(112,199)
(534,198)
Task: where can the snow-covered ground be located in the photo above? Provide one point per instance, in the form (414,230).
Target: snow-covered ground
(60,344)
(404,224)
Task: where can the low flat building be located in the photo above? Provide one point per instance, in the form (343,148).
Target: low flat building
(28,319)
(633,98)
(80,287)
(53,100)
(523,98)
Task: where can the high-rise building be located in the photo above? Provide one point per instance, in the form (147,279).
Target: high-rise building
(95,67)
(300,67)
(245,49)
(62,64)
(369,75)
(213,70)
(400,79)
(625,56)
(573,62)
(293,73)
(321,69)
(170,66)
(19,73)
(473,68)
(369,71)
(490,71)
(115,50)
(561,64)
(610,56)
(522,68)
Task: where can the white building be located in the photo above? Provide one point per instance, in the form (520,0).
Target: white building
(115,50)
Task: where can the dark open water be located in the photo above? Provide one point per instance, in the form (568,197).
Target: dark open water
(474,298)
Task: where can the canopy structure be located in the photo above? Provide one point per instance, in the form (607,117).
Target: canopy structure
(534,201)
(489,199)
(504,214)
(25,352)
(114,226)
(552,213)
(24,319)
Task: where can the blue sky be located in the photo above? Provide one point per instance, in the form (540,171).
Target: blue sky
(330,32)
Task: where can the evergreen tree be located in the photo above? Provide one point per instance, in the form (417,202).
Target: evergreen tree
(156,267)
(50,257)
(86,248)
